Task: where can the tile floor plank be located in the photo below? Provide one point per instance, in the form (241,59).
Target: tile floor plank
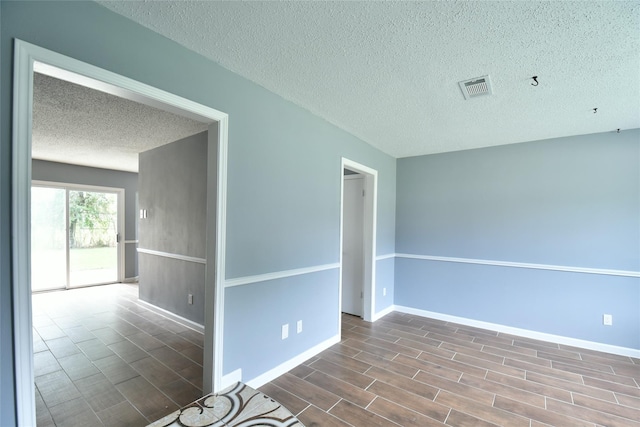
(357,416)
(85,340)
(401,415)
(409,400)
(480,411)
(342,373)
(145,397)
(74,413)
(480,377)
(340,388)
(288,400)
(403,370)
(307,391)
(312,417)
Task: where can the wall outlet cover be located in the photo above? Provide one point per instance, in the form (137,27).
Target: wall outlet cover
(299,326)
(607,319)
(285,331)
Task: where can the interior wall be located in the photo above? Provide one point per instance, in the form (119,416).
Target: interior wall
(284,174)
(73,174)
(565,202)
(173,192)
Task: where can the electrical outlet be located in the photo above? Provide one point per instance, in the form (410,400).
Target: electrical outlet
(384,292)
(190,299)
(299,326)
(607,319)
(285,331)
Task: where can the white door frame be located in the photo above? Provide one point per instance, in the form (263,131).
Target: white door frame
(29,57)
(370,226)
(119,192)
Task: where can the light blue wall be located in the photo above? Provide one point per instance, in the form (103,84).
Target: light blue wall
(284,162)
(385,278)
(252,324)
(74,174)
(567,202)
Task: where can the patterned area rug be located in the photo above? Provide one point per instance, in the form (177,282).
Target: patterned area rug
(236,406)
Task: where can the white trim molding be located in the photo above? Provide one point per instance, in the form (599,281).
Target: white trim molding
(285,367)
(524,265)
(172,316)
(525,333)
(239,281)
(27,58)
(370,227)
(173,256)
(385,256)
(231,378)
(379,315)
(131,242)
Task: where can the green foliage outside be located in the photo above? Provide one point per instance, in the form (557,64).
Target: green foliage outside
(92,219)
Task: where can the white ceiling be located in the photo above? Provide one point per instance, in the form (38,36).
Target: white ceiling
(388,71)
(77,125)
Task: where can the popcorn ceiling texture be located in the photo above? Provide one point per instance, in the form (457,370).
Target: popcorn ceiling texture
(77,125)
(388,71)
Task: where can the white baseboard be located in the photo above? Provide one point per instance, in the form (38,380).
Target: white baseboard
(172,316)
(285,367)
(384,312)
(230,379)
(526,333)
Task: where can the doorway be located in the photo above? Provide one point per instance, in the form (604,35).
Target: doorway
(353,243)
(358,239)
(29,58)
(75,236)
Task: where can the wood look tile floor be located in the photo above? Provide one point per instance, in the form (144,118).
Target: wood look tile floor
(407,370)
(100,359)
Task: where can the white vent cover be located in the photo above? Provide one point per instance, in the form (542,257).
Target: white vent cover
(478,86)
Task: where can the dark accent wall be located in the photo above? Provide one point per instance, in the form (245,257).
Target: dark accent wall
(173,191)
(73,174)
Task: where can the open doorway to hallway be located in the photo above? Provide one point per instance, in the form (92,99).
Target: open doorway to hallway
(353,243)
(101,336)
(358,206)
(28,59)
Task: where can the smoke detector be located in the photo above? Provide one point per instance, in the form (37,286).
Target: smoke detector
(476,87)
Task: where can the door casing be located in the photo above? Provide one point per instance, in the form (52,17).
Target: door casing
(369,230)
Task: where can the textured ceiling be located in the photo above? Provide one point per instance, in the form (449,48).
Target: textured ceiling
(77,125)
(388,71)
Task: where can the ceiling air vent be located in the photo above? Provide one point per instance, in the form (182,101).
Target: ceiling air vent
(478,86)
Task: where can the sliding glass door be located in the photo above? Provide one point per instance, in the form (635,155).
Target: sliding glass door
(93,238)
(48,238)
(74,237)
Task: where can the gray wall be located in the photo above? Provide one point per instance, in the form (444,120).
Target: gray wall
(73,174)
(566,202)
(173,191)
